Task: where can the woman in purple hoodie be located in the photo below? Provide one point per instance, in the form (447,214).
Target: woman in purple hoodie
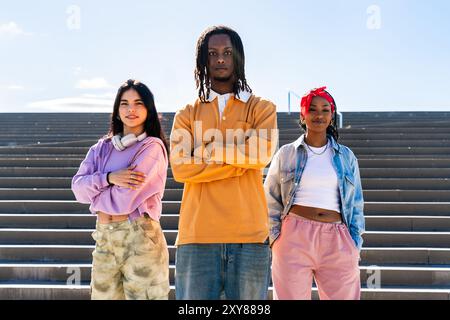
(123,178)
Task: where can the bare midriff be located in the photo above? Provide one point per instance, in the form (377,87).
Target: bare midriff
(316,214)
(104,218)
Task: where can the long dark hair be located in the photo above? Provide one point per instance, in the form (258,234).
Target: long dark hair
(152,124)
(202,79)
(332,129)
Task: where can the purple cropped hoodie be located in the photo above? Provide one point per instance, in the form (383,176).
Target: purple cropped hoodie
(90,185)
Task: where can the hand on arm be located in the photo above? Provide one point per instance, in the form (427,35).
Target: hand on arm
(127,178)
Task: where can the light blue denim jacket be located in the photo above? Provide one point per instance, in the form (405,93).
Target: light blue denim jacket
(284,177)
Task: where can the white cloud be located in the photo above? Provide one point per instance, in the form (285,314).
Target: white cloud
(11,29)
(72,104)
(15,87)
(94,83)
(12,87)
(77,70)
(107,95)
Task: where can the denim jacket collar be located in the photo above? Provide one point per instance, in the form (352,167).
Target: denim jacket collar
(301,142)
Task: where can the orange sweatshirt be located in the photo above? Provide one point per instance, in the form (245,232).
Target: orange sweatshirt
(223,198)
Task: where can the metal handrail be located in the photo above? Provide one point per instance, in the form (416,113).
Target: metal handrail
(341,116)
(289,100)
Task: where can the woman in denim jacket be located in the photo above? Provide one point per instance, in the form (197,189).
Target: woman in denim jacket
(315,201)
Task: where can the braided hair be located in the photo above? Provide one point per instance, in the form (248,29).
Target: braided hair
(202,78)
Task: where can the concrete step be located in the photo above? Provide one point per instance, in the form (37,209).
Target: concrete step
(66,221)
(83,236)
(372,143)
(60,121)
(40,162)
(287,134)
(58,236)
(389,276)
(40,172)
(52,291)
(20,172)
(53,253)
(406,239)
(344,134)
(36,182)
(57,136)
(283,139)
(57,182)
(66,206)
(46,236)
(81,151)
(407,195)
(170,221)
(49,253)
(407,223)
(76,144)
(44,291)
(417,162)
(407,208)
(404,256)
(63,194)
(398,136)
(374,129)
(394,195)
(374,151)
(367,183)
(405,183)
(173,207)
(411,173)
(368,129)
(52,221)
(398,125)
(392,151)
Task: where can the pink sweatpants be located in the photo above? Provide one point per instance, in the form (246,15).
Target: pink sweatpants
(307,248)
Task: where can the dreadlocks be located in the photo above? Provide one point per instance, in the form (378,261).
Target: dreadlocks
(202,78)
(332,129)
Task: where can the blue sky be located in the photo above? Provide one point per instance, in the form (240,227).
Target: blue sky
(58,56)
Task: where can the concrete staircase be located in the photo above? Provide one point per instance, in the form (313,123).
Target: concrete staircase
(45,242)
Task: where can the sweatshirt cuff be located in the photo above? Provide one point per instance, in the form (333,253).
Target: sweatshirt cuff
(103,181)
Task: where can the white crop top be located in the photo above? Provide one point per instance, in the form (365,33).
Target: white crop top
(319,186)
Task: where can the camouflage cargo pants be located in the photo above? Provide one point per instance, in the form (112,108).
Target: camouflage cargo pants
(130,261)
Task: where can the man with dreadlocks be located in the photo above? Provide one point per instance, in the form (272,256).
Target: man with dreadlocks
(222,243)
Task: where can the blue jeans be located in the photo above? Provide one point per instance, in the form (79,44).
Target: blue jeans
(213,271)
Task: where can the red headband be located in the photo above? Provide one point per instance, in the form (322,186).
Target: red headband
(317,92)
